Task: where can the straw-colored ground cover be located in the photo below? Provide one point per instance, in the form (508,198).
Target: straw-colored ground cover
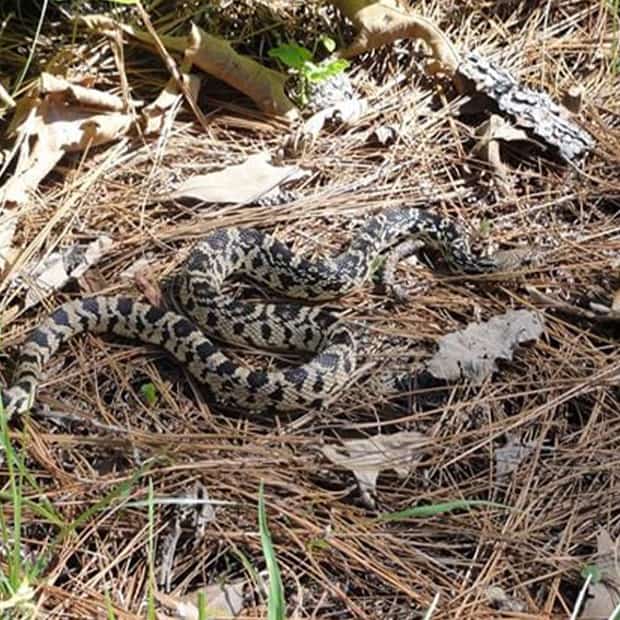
(93,461)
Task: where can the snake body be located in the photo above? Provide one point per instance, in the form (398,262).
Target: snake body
(196,296)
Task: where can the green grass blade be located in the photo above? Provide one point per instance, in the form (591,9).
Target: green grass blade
(15,493)
(431,510)
(275,601)
(151,615)
(109,609)
(28,62)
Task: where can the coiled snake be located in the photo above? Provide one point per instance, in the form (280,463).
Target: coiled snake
(195,293)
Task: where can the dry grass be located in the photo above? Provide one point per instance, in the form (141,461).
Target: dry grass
(336,561)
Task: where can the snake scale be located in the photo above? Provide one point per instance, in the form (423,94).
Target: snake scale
(195,293)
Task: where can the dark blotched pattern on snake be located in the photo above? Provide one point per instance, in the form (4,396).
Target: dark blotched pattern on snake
(196,294)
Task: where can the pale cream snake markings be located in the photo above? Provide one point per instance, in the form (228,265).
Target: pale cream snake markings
(195,294)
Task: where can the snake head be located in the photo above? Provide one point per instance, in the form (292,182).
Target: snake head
(504,260)
(509,260)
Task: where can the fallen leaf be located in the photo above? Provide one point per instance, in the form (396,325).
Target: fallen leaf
(242,183)
(163,110)
(509,457)
(367,458)
(346,113)
(8,224)
(217,57)
(54,122)
(472,353)
(497,129)
(604,595)
(381,22)
(222,601)
(75,93)
(60,267)
(263,85)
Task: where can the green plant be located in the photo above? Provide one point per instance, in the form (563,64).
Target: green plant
(275,601)
(432,510)
(16,593)
(300,60)
(614,6)
(149,393)
(18,585)
(150,599)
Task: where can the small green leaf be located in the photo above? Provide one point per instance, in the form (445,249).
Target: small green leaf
(202,606)
(318,543)
(291,54)
(485,227)
(149,393)
(320,73)
(327,42)
(123,1)
(592,571)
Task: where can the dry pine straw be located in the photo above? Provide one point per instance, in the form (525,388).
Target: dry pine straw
(559,393)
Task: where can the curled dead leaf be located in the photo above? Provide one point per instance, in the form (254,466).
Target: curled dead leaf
(497,129)
(472,353)
(58,268)
(164,108)
(76,94)
(222,601)
(367,458)
(381,22)
(263,85)
(50,125)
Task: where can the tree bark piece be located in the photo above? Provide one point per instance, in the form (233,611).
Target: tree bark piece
(532,110)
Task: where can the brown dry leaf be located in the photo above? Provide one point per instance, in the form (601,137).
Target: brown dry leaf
(490,133)
(49,125)
(217,57)
(472,353)
(148,287)
(243,183)
(8,224)
(75,93)
(367,458)
(163,110)
(604,596)
(223,601)
(59,267)
(263,85)
(348,113)
(381,22)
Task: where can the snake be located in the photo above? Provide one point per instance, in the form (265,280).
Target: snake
(199,314)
